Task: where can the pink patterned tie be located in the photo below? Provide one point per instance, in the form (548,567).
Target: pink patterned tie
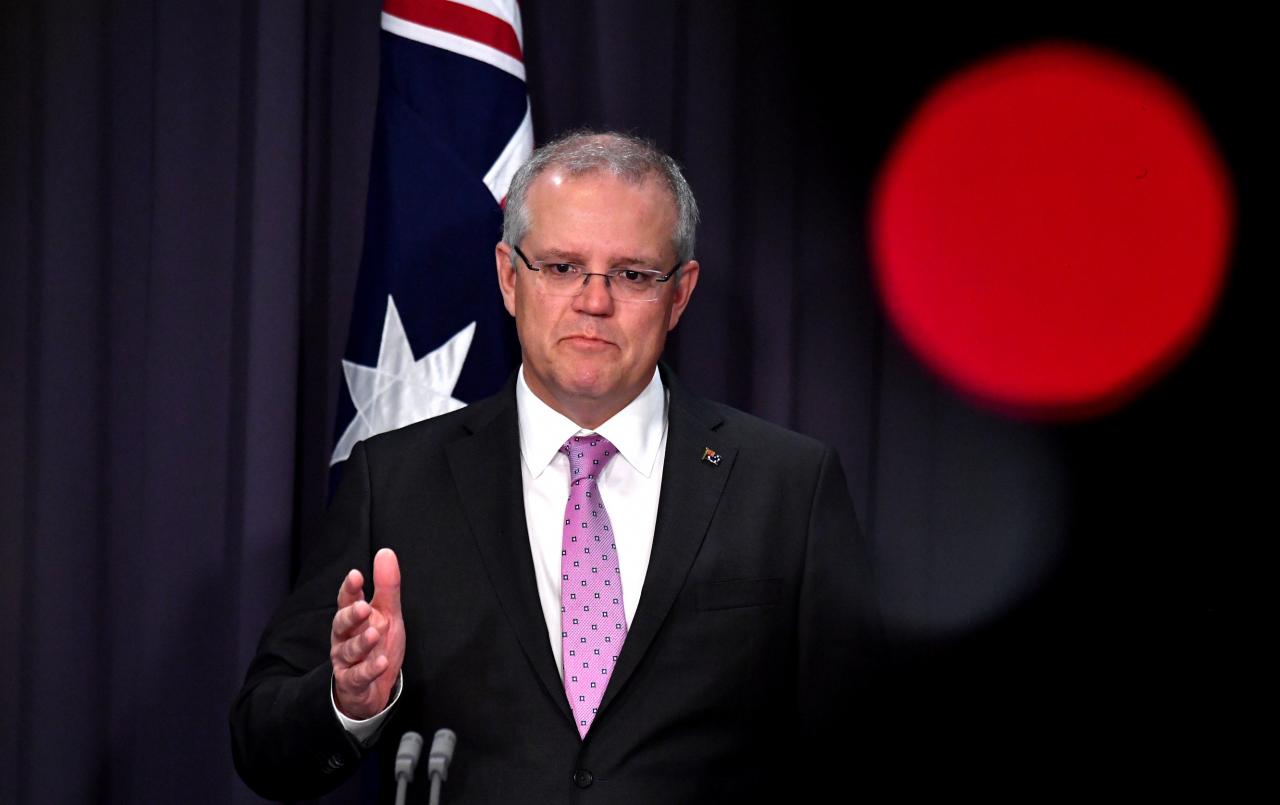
(592,621)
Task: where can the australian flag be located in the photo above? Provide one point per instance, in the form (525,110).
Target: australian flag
(428,329)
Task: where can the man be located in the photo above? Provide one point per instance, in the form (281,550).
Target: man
(691,619)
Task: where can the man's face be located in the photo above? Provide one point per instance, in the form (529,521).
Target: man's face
(589,355)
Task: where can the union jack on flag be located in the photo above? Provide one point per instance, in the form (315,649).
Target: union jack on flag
(428,329)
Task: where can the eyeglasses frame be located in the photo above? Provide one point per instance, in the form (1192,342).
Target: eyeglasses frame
(587,275)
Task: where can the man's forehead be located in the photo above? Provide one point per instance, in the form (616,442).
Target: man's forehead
(543,198)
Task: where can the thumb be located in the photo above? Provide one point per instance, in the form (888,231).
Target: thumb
(386,582)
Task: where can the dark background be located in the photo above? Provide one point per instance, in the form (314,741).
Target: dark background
(183,195)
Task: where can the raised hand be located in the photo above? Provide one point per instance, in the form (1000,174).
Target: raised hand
(367,641)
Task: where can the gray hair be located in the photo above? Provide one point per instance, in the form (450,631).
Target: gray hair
(628,157)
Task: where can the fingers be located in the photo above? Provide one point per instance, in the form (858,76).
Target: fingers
(352,589)
(361,675)
(367,642)
(356,667)
(349,620)
(386,583)
(356,649)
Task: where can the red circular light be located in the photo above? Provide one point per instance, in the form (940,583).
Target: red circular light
(1051,229)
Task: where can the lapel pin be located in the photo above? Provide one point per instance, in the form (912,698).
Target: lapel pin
(710,456)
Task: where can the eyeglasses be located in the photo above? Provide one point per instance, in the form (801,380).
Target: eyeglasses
(624,284)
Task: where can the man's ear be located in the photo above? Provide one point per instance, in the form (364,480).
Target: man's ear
(504,257)
(686,280)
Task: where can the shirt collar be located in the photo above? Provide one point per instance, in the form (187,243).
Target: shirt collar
(636,430)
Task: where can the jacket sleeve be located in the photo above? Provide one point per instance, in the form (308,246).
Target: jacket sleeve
(841,648)
(286,740)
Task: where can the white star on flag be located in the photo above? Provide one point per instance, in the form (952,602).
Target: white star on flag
(399,390)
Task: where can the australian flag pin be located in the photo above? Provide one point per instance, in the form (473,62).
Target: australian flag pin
(710,456)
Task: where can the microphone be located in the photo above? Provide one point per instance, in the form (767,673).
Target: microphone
(441,753)
(406,761)
(442,746)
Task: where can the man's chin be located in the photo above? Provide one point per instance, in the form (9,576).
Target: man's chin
(590,387)
(593,381)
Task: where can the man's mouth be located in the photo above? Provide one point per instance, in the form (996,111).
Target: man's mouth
(587,341)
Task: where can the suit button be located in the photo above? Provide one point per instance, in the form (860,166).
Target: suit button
(582,778)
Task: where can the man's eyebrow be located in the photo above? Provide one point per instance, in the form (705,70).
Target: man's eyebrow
(633,261)
(560,254)
(570,256)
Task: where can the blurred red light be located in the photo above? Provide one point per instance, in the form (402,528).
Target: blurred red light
(1051,229)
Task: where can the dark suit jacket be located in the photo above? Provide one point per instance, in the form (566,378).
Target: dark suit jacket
(748,650)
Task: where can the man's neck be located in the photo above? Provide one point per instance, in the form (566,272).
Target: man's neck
(587,414)
(636,430)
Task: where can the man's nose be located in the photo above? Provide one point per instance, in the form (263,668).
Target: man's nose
(594,296)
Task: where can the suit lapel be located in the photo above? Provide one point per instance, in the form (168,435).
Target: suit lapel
(691,490)
(486,468)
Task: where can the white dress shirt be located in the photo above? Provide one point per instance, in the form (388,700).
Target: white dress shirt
(630,486)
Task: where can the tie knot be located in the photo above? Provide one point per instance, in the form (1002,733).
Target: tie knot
(588,456)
